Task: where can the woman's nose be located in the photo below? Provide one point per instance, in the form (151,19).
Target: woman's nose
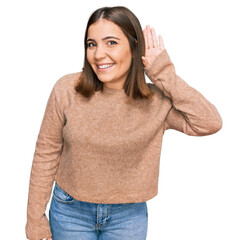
(99,52)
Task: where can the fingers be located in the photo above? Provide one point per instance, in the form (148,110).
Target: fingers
(148,37)
(151,38)
(154,38)
(161,42)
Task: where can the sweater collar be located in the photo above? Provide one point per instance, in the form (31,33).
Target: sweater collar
(113,90)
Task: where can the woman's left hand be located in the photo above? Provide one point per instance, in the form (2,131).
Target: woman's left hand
(152,46)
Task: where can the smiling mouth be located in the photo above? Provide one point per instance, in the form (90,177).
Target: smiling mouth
(104,66)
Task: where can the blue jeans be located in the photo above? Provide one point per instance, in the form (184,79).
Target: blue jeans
(71,219)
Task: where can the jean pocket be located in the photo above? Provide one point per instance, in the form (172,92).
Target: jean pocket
(60,195)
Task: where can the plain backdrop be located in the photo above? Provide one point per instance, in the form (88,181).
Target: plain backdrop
(203,184)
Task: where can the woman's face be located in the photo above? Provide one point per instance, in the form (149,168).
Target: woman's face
(108,53)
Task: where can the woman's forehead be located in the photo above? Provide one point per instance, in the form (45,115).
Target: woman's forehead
(103,28)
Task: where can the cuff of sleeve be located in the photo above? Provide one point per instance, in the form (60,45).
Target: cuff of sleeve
(161,62)
(38,232)
(162,73)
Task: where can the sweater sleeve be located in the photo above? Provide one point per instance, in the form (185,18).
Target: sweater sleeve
(190,112)
(44,166)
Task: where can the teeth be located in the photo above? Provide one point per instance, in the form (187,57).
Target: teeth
(105,66)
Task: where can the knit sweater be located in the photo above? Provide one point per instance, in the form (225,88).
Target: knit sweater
(103,150)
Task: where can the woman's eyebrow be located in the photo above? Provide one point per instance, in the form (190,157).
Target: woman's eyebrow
(90,39)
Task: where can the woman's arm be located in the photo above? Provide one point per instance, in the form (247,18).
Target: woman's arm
(45,162)
(190,113)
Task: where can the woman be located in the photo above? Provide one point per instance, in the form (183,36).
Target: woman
(101,134)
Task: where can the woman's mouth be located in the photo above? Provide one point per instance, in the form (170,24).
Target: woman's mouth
(104,67)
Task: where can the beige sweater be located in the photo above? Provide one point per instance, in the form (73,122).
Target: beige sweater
(105,151)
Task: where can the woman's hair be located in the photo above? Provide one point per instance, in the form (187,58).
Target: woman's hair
(135,85)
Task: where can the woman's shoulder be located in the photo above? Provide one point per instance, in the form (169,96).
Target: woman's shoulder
(64,87)
(67,80)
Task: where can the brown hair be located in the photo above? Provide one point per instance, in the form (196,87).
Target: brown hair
(135,85)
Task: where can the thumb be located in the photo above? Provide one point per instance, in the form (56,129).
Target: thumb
(145,62)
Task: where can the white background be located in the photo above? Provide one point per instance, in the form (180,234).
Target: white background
(203,192)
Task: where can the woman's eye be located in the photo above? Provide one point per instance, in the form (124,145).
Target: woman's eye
(112,42)
(91,44)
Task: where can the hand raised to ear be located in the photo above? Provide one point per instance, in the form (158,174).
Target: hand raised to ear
(152,45)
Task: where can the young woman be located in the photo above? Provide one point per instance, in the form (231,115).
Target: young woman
(101,135)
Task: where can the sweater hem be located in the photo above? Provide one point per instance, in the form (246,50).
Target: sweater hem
(112,200)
